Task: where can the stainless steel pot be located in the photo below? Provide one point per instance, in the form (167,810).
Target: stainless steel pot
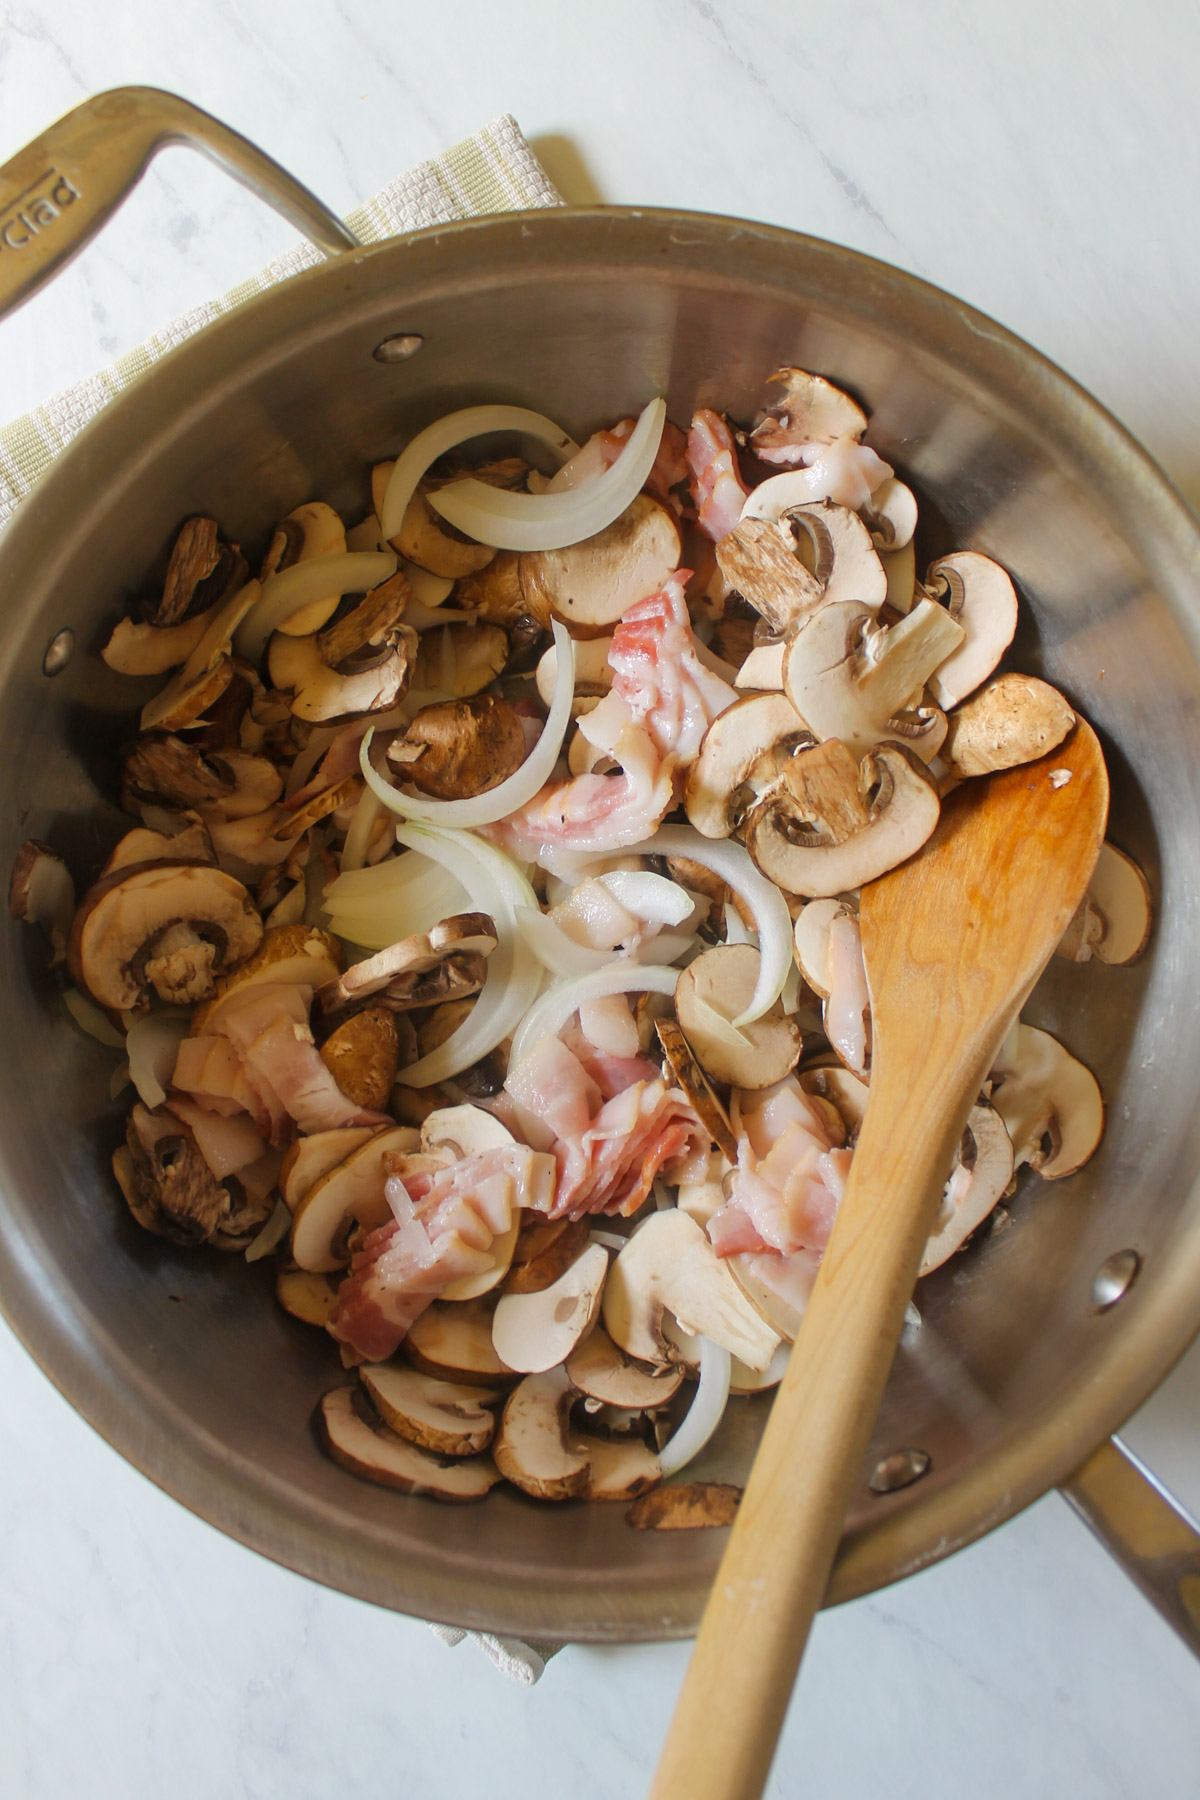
(1034,1345)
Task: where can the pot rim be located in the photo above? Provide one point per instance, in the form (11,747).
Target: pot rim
(910,1533)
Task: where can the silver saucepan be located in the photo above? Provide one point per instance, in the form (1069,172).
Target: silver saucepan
(1037,1342)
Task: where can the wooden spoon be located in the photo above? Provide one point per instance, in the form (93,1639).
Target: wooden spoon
(953,942)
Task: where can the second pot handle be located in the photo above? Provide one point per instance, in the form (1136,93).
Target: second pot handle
(1146,1530)
(57,192)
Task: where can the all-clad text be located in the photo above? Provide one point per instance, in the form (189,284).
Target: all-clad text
(34,210)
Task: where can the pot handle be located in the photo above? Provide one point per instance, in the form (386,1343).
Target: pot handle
(57,192)
(1145,1529)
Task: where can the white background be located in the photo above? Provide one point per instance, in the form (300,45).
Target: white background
(1040,160)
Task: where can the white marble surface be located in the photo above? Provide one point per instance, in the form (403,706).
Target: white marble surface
(1039,159)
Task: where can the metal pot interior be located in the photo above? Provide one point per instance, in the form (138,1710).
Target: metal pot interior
(183,1361)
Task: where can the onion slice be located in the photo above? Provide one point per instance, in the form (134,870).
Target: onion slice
(554,949)
(446,434)
(654,898)
(91,1018)
(152,1043)
(343,572)
(771,917)
(514,792)
(705,1413)
(552,1011)
(512,521)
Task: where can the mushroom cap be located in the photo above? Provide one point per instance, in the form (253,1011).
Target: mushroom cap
(685,1506)
(617,1469)
(311,1157)
(1013,720)
(362,1054)
(1041,1091)
(141,845)
(163,769)
(399,974)
(173,926)
(848,677)
(136,648)
(831,541)
(456,1341)
(369,1449)
(458,748)
(838,824)
(494,593)
(41,892)
(313,529)
(590,585)
(593,671)
(534,1332)
(982,599)
(308,1297)
(758,561)
(208,670)
(287,956)
(352,1191)
(374,682)
(531,1447)
(739,759)
(805,409)
(669,1265)
(460,659)
(443,1416)
(1121,894)
(463,1131)
(714,990)
(601,1370)
(986,1161)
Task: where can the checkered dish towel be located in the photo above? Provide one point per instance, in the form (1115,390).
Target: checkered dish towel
(494,171)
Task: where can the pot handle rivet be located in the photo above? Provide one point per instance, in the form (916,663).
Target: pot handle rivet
(59,652)
(899,1470)
(1114,1278)
(399,348)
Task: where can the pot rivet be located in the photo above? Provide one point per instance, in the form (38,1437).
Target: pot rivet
(899,1470)
(399,348)
(59,652)
(1114,1278)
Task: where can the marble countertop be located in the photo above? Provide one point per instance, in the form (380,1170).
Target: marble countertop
(1040,160)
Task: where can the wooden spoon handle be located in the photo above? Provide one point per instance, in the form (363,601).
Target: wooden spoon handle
(775,1570)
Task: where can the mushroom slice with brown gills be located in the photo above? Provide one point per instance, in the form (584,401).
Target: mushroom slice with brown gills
(806,410)
(590,585)
(307,1297)
(891,518)
(828,543)
(288,956)
(172,1191)
(494,593)
(668,1265)
(828,1080)
(531,1447)
(689,1076)
(257,784)
(423,538)
(758,561)
(313,529)
(685,1506)
(980,597)
(981,1173)
(361,664)
(208,670)
(601,1370)
(192,843)
(442,1416)
(853,679)
(161,769)
(544,1250)
(459,660)
(362,1054)
(349,1194)
(173,927)
(41,892)
(741,758)
(1015,719)
(1050,1103)
(617,1468)
(837,823)
(714,990)
(1114,917)
(454,1341)
(534,1332)
(203,571)
(362,1444)
(458,748)
(392,973)
(311,1157)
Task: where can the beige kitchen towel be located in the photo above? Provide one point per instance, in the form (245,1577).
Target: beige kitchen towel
(493,171)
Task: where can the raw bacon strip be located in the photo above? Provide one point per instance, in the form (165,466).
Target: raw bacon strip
(657,673)
(791,1174)
(718,490)
(227,1144)
(270,1031)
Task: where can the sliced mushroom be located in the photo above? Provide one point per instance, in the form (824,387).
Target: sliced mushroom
(980,597)
(829,542)
(593,673)
(759,562)
(714,990)
(288,956)
(762,670)
(313,529)
(395,974)
(846,1012)
(534,1332)
(1013,720)
(830,1082)
(850,678)
(463,1131)
(162,769)
(192,843)
(173,927)
(544,1250)
(458,748)
(203,571)
(617,1469)
(208,670)
(981,1173)
(455,1341)
(423,537)
(1050,1103)
(687,1506)
(311,1157)
(531,1447)
(460,660)
(838,824)
(600,1369)
(806,410)
(590,585)
(310,1298)
(372,678)
(172,1191)
(257,784)
(741,758)
(366,1447)
(136,648)
(348,1194)
(891,517)
(900,567)
(42,893)
(362,1054)
(689,1076)
(494,593)
(669,1265)
(442,1416)
(810,939)
(1114,917)
(780,1311)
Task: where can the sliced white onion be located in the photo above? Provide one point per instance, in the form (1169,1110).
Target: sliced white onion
(552,1011)
(735,931)
(610,1240)
(272,1233)
(666,947)
(513,793)
(654,898)
(152,1042)
(554,949)
(496,886)
(446,434)
(732,863)
(705,1412)
(358,835)
(552,521)
(342,572)
(119,1080)
(427,589)
(90,1018)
